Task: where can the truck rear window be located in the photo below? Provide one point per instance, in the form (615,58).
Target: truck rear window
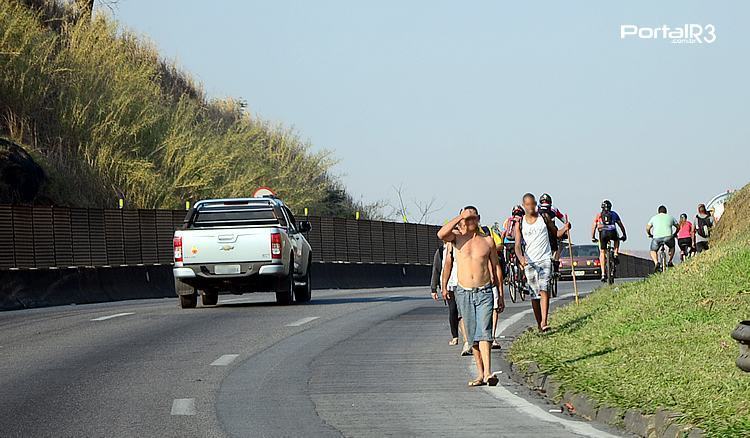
(233,215)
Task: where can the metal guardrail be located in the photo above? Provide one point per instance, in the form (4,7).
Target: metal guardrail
(61,237)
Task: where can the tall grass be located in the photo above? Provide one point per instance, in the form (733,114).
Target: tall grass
(107,117)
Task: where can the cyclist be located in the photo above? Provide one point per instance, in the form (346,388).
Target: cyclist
(659,229)
(606,222)
(552,213)
(686,237)
(509,233)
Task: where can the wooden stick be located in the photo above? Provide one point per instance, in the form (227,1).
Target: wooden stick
(572,268)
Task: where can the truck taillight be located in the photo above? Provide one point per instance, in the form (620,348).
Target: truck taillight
(177,244)
(275,245)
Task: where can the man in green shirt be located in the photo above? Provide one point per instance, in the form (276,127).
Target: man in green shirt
(659,229)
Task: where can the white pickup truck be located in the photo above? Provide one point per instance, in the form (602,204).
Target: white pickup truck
(241,245)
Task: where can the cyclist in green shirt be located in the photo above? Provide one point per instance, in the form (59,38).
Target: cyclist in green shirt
(659,229)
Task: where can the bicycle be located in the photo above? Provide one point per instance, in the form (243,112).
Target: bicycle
(515,279)
(610,268)
(662,257)
(553,280)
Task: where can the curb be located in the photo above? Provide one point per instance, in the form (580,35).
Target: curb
(661,424)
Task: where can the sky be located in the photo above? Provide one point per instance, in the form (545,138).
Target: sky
(479,102)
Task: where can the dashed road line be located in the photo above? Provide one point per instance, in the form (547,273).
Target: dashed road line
(224,360)
(117,315)
(302,321)
(183,406)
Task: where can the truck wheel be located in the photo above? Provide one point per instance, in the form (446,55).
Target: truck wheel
(189,301)
(303,292)
(210,298)
(285,291)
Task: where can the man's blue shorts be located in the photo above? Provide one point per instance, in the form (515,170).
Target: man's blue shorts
(475,306)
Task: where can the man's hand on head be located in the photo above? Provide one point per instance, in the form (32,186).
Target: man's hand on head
(468,213)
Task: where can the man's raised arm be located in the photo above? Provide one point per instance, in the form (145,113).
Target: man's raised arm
(446,233)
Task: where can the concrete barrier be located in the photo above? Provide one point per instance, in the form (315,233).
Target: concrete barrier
(29,288)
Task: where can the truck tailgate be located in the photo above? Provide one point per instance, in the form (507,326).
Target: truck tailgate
(226,245)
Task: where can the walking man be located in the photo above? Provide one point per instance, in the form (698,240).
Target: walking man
(478,272)
(702,226)
(535,231)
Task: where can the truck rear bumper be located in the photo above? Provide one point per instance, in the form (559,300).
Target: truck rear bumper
(253,277)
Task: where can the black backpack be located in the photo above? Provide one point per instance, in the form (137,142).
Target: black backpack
(704,226)
(607,218)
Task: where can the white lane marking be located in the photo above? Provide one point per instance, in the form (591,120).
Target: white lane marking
(396,296)
(183,406)
(117,315)
(224,360)
(302,321)
(526,407)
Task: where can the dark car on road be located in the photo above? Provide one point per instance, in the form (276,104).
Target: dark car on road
(585,262)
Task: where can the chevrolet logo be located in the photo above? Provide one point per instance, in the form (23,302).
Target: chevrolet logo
(226,247)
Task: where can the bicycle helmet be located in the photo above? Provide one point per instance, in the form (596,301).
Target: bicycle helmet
(606,205)
(518,211)
(545,199)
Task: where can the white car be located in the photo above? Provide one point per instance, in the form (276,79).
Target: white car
(241,245)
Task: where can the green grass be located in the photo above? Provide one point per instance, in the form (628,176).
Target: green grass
(662,342)
(107,117)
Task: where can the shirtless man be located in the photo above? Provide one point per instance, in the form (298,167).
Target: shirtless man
(478,272)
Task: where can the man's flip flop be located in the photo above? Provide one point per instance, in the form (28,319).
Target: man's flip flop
(546,329)
(477,382)
(492,380)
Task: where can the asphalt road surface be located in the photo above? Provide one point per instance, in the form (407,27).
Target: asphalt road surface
(350,363)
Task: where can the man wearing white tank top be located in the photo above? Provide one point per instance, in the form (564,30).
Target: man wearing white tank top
(534,251)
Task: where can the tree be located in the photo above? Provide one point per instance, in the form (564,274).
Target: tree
(424,208)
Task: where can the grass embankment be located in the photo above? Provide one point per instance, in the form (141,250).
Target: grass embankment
(663,342)
(107,117)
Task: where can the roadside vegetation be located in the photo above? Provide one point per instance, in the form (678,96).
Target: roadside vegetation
(663,342)
(107,117)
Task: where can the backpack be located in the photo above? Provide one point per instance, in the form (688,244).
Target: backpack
(607,218)
(704,226)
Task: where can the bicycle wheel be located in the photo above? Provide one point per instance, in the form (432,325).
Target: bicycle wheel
(511,283)
(520,283)
(553,285)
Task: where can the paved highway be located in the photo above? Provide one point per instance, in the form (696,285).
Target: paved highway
(352,363)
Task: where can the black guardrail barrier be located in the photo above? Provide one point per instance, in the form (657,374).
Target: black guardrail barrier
(59,255)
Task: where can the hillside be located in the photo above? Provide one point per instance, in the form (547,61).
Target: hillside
(663,342)
(106,117)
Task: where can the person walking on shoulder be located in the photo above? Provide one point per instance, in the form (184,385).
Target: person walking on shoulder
(478,272)
(685,237)
(702,225)
(437,289)
(448,283)
(535,230)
